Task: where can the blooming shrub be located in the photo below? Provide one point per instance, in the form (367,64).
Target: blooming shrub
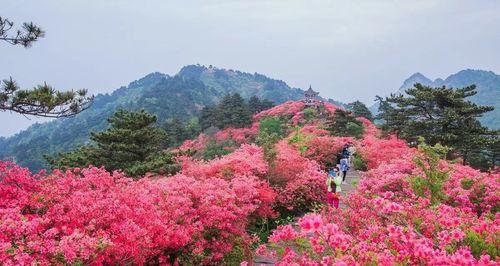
(293,109)
(405,211)
(299,181)
(385,222)
(92,216)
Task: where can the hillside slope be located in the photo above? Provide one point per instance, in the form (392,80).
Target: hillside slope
(181,95)
(488,88)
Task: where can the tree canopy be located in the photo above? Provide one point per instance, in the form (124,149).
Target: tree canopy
(232,111)
(343,123)
(257,105)
(440,115)
(359,109)
(43,100)
(133,144)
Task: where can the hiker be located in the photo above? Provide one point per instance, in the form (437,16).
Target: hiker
(333,182)
(345,150)
(339,157)
(344,166)
(352,150)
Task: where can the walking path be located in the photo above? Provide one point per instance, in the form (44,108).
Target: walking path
(352,181)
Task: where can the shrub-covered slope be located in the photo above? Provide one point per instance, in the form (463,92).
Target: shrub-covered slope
(239,183)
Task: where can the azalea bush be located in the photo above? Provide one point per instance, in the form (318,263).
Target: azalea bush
(451,217)
(237,187)
(88,216)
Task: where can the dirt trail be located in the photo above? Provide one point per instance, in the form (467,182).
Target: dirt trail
(352,181)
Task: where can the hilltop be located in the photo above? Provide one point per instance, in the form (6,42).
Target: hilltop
(182,96)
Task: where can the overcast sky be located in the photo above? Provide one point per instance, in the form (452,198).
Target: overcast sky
(346,50)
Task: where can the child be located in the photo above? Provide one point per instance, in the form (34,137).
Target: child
(333,182)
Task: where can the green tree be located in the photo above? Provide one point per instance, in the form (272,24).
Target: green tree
(193,127)
(432,180)
(359,109)
(257,105)
(132,143)
(43,100)
(271,130)
(208,117)
(176,132)
(440,115)
(343,123)
(232,111)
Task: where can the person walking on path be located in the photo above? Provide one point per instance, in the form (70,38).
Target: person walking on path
(344,167)
(333,183)
(352,151)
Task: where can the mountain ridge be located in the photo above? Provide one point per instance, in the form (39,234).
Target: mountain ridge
(182,95)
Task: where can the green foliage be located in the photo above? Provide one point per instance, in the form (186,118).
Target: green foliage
(466,183)
(193,127)
(232,111)
(487,83)
(359,109)
(360,163)
(25,37)
(272,125)
(257,105)
(440,115)
(178,132)
(213,150)
(237,254)
(132,144)
(343,123)
(310,114)
(271,130)
(263,227)
(434,178)
(478,245)
(42,100)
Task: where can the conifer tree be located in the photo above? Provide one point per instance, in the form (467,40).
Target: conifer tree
(359,109)
(254,104)
(176,132)
(132,144)
(232,111)
(440,115)
(343,123)
(43,100)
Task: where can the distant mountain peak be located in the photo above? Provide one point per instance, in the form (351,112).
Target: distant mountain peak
(413,79)
(487,84)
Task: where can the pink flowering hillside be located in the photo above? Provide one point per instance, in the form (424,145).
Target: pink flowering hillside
(260,190)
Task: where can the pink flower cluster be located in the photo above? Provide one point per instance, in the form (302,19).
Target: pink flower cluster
(293,109)
(201,215)
(91,216)
(298,180)
(386,223)
(238,135)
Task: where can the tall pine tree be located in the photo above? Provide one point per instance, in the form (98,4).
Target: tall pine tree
(359,109)
(440,115)
(132,143)
(232,111)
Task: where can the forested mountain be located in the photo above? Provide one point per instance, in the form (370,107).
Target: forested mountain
(488,88)
(182,95)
